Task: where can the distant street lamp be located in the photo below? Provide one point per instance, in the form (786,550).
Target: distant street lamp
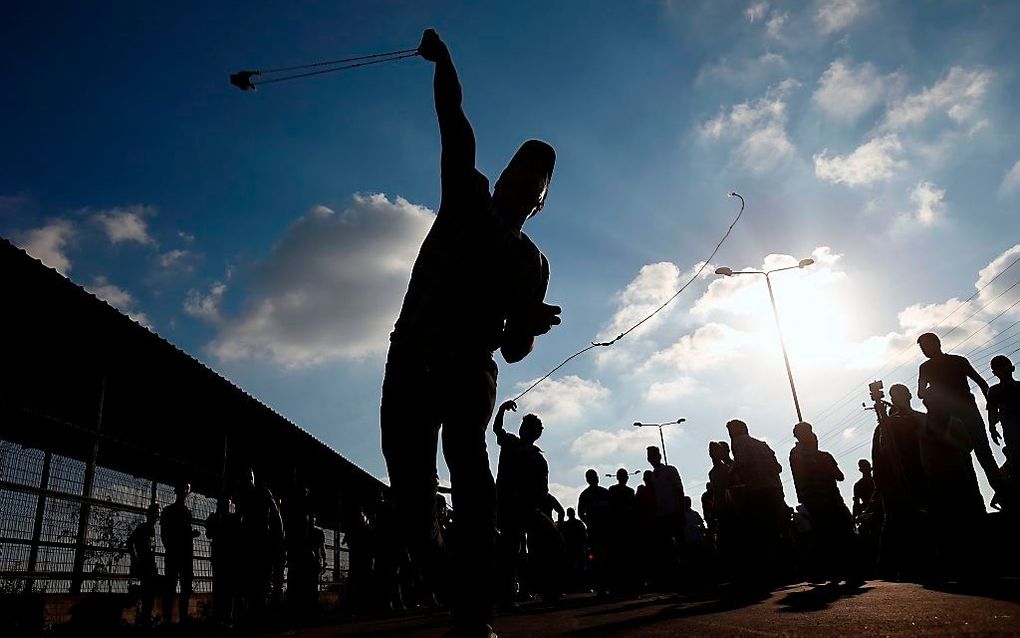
(803,263)
(662,439)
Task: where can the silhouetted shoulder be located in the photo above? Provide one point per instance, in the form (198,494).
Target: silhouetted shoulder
(507,439)
(465,192)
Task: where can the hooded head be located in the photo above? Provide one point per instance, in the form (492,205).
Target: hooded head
(805,435)
(521,189)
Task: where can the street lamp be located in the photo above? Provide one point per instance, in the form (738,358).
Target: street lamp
(662,439)
(803,263)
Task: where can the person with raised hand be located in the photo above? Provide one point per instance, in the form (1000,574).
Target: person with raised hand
(478,285)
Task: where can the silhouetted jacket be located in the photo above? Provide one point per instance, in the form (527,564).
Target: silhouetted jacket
(140,547)
(176,531)
(896,459)
(669,490)
(754,466)
(593,509)
(814,476)
(522,480)
(473,274)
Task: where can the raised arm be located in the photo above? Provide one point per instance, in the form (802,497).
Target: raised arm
(458,139)
(497,423)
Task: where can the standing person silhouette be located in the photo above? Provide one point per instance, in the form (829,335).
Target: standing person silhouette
(178,539)
(760,513)
(593,510)
(1004,403)
(261,531)
(669,501)
(522,494)
(575,537)
(815,474)
(719,511)
(477,285)
(942,385)
(864,489)
(901,484)
(622,514)
(867,511)
(141,548)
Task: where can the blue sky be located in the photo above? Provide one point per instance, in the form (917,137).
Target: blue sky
(270,234)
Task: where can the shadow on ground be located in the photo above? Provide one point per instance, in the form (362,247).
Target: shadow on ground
(818,598)
(673,611)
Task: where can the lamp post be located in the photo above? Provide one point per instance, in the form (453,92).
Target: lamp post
(662,439)
(803,263)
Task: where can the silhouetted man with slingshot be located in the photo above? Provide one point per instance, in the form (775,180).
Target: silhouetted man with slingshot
(477,285)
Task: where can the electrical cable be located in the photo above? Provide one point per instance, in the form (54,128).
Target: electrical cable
(842,401)
(606,344)
(881,370)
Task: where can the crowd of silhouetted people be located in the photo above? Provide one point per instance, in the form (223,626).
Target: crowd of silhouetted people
(917,513)
(254,537)
(478,285)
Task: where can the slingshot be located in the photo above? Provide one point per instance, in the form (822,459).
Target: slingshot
(246,80)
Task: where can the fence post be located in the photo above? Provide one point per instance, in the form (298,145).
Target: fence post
(40,508)
(86,507)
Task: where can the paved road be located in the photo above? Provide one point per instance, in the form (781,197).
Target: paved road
(878,608)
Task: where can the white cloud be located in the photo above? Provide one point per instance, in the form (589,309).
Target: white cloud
(929,208)
(596,445)
(566,494)
(899,347)
(48,244)
(774,26)
(118,298)
(206,307)
(178,259)
(875,160)
(127,224)
(979,127)
(987,282)
(562,400)
(846,92)
(958,95)
(664,391)
(968,324)
(1011,179)
(708,346)
(740,295)
(654,284)
(743,72)
(759,126)
(756,11)
(930,200)
(331,286)
(836,15)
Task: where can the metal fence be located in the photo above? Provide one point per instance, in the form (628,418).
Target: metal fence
(56,538)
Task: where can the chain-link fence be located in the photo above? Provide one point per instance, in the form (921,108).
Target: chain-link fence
(46,546)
